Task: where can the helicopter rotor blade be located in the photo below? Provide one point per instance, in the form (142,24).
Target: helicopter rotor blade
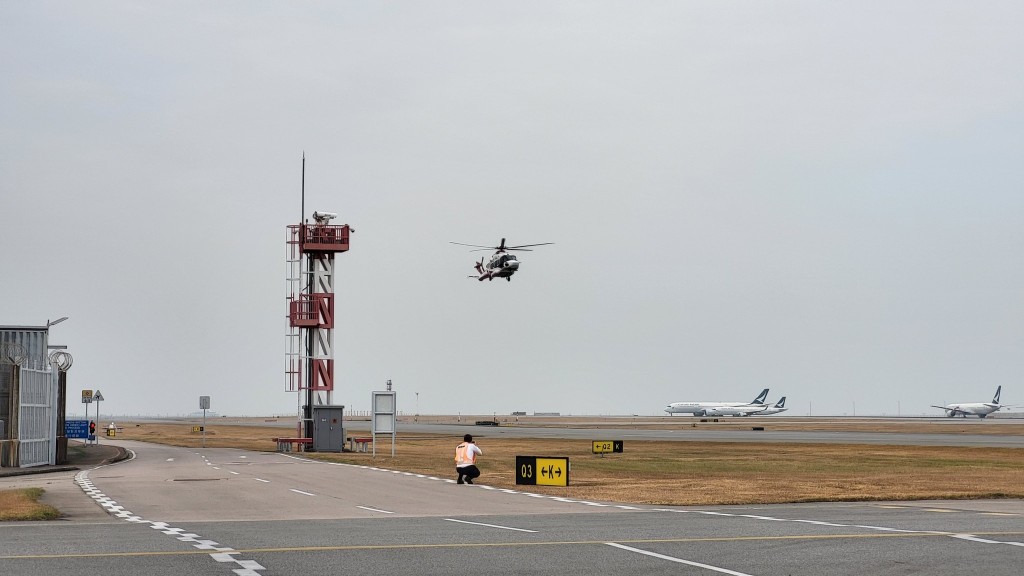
(475,246)
(527,245)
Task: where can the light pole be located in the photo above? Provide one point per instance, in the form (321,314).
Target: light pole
(417,419)
(55,322)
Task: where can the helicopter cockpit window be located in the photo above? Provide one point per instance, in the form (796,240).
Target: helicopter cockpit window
(511,257)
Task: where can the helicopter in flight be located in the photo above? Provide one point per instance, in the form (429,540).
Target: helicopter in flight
(502,264)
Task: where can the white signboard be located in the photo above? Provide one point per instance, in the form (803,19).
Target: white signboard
(384,412)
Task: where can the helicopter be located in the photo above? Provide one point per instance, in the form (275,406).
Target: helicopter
(501,264)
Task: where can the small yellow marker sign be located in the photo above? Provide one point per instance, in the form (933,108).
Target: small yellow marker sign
(552,471)
(542,471)
(607,446)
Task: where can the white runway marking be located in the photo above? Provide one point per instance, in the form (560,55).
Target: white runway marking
(374,509)
(678,560)
(233,472)
(170,459)
(491,525)
(301,492)
(262,480)
(218,552)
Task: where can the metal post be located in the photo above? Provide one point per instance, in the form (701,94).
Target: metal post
(204,427)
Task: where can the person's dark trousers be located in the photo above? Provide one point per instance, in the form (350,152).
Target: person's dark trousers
(468,472)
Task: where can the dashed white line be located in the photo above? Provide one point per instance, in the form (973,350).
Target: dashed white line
(374,509)
(301,492)
(678,560)
(233,472)
(262,480)
(490,525)
(218,552)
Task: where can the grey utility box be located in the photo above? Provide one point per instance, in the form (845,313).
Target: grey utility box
(328,430)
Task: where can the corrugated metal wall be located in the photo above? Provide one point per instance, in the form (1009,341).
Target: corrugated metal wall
(33,339)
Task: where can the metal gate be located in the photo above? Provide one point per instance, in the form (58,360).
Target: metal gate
(37,419)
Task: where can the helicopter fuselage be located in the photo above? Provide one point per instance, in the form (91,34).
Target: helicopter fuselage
(501,265)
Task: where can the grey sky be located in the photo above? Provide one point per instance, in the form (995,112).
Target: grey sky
(823,198)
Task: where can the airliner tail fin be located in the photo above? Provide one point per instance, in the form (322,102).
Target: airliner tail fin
(761,397)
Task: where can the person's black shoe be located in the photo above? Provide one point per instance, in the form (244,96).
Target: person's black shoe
(469,481)
(459,481)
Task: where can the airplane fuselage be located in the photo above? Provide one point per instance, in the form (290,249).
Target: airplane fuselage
(979,409)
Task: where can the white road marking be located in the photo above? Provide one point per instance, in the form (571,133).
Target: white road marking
(170,459)
(678,560)
(973,538)
(219,553)
(374,509)
(232,472)
(261,480)
(301,492)
(490,525)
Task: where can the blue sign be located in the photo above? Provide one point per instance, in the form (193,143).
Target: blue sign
(76,429)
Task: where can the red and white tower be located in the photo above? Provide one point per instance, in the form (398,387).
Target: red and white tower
(309,354)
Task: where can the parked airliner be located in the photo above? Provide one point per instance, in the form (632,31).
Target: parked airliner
(979,409)
(719,408)
(779,406)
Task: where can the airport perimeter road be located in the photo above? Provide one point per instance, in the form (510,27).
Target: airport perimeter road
(708,435)
(223,512)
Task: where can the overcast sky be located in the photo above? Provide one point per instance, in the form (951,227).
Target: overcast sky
(821,198)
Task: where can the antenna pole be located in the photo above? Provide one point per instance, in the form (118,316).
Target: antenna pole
(303,207)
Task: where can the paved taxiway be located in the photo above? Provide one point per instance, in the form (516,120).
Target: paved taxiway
(221,512)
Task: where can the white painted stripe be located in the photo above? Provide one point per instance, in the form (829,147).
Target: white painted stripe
(974,538)
(490,525)
(374,509)
(678,560)
(301,492)
(261,480)
(170,459)
(233,472)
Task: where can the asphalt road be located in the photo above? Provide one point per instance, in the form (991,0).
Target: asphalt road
(221,512)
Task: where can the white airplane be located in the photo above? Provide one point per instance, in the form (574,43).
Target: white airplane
(719,408)
(979,409)
(779,406)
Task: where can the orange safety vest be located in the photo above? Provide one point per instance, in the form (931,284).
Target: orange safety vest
(463,455)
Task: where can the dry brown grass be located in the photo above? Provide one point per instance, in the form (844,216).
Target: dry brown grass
(24,504)
(682,473)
